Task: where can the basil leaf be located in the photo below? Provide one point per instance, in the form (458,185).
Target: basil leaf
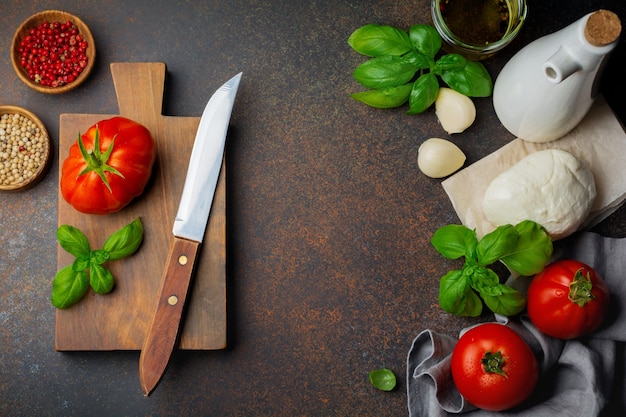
(98,257)
(500,242)
(68,287)
(420,61)
(423,93)
(383,379)
(385,71)
(101,279)
(379,40)
(454,241)
(82,262)
(384,98)
(73,240)
(534,249)
(125,241)
(473,80)
(485,281)
(425,39)
(473,305)
(450,62)
(509,303)
(456,295)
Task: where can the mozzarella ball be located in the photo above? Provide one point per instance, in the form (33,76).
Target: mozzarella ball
(551,187)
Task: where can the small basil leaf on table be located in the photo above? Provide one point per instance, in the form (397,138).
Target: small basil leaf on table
(383,379)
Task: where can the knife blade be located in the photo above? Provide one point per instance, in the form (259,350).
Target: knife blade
(187,234)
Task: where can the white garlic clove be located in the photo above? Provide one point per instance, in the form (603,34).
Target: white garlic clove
(438,158)
(456,112)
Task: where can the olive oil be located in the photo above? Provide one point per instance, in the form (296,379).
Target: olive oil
(476,22)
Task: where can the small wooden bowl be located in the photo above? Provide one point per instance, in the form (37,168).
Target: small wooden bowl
(52,16)
(45,158)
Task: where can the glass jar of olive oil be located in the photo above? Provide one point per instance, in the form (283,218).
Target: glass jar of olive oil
(477,29)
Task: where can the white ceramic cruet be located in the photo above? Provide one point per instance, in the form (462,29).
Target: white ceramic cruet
(546,89)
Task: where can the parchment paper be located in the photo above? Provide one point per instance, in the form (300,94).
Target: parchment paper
(599,140)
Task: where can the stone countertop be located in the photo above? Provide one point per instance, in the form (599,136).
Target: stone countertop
(330,269)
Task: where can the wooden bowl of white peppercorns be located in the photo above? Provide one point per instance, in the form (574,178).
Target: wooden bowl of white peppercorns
(24,149)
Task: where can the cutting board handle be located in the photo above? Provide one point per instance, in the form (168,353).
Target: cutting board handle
(139,88)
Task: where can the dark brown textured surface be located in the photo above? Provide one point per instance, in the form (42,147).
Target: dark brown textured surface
(330,269)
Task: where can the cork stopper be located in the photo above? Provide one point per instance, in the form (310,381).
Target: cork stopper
(603,27)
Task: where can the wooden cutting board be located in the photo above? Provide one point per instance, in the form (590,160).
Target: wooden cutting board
(119,320)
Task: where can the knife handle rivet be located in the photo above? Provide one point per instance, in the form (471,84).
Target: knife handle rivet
(182,259)
(172,300)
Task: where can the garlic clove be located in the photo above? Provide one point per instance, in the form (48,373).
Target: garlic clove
(438,158)
(456,112)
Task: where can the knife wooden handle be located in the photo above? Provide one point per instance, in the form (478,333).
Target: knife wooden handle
(164,330)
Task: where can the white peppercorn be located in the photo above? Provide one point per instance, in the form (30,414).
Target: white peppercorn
(23,147)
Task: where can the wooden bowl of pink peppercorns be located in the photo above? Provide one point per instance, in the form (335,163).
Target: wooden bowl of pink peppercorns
(53,51)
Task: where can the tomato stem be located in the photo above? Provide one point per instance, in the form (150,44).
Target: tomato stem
(96,160)
(493,363)
(580,289)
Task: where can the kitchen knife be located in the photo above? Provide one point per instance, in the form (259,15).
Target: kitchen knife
(188,232)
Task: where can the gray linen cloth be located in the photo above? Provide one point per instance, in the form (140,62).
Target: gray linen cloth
(581,377)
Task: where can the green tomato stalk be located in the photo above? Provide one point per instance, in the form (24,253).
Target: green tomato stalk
(96,160)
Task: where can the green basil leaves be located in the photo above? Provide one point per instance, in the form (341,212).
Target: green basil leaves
(524,248)
(378,40)
(403,67)
(72,282)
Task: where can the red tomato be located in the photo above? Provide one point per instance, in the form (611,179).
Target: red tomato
(493,368)
(568,299)
(108,166)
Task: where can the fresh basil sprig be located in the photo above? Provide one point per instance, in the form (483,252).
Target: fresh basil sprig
(72,282)
(404,67)
(524,248)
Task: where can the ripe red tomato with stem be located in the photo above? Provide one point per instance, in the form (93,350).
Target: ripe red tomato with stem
(568,299)
(493,367)
(108,166)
